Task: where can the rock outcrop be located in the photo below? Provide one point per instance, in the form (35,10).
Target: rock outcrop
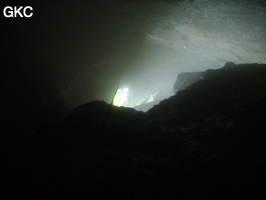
(186,79)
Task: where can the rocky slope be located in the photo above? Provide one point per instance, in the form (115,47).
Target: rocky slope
(206,141)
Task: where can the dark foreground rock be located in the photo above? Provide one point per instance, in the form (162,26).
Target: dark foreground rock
(206,141)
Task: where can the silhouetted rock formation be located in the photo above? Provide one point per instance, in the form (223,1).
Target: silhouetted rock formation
(186,79)
(208,139)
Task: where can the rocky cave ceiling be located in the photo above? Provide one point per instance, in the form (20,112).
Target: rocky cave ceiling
(198,35)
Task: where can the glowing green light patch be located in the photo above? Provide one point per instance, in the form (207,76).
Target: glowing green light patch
(121,97)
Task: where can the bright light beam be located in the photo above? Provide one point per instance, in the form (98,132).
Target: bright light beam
(121,97)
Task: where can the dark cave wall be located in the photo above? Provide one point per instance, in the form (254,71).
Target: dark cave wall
(67,54)
(30,95)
